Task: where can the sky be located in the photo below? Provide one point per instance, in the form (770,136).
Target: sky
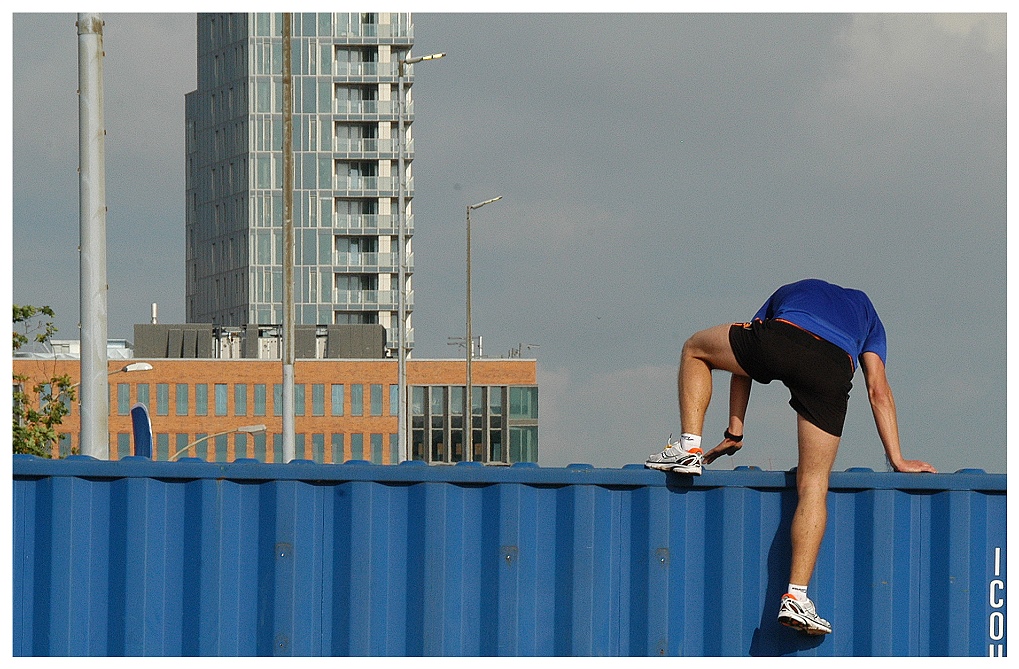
(660,173)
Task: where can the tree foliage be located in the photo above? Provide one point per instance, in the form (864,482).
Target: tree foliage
(39,409)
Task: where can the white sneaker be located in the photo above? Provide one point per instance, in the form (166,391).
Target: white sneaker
(675,459)
(802,616)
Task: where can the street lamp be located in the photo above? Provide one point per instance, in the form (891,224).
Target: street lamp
(402,308)
(250,429)
(133,367)
(469,399)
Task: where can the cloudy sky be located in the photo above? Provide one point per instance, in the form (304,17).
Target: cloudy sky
(660,173)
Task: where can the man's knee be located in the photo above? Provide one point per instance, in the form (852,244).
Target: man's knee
(704,343)
(813,472)
(812,485)
(691,349)
(712,347)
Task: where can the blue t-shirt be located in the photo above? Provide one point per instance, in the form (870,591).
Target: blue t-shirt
(844,316)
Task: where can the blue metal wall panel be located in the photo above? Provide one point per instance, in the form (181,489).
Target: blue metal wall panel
(140,558)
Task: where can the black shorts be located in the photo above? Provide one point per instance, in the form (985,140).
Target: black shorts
(819,374)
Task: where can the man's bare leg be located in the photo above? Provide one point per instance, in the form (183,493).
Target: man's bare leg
(705,351)
(817,450)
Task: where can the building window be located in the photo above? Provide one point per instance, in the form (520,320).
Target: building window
(376,399)
(523,424)
(318,399)
(241,399)
(277,399)
(64,448)
(259,399)
(182,442)
(338,455)
(394,399)
(142,390)
(220,390)
(162,399)
(337,399)
(259,447)
(123,445)
(201,399)
(123,399)
(357,447)
(298,399)
(240,445)
(523,402)
(202,446)
(496,452)
(221,445)
(456,423)
(477,424)
(163,446)
(318,447)
(438,424)
(418,417)
(524,444)
(356,400)
(182,399)
(376,445)
(263,25)
(394,449)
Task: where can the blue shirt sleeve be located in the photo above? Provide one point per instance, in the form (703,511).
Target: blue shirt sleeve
(876,341)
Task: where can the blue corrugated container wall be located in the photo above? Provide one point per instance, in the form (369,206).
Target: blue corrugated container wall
(191,558)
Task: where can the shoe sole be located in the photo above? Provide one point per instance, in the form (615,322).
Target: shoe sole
(798,623)
(669,467)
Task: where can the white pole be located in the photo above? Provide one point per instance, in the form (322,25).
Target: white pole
(95,403)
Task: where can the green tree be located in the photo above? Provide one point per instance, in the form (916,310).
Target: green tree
(38,411)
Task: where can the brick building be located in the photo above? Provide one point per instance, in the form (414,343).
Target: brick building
(345,408)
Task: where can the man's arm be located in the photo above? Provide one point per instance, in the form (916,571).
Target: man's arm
(739,397)
(882,403)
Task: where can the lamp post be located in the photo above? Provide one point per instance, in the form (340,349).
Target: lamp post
(289,353)
(93,289)
(401,354)
(250,429)
(468,398)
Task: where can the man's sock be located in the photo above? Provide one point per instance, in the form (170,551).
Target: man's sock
(798,591)
(688,441)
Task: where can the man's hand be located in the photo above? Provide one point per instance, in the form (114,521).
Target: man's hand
(914,466)
(727,447)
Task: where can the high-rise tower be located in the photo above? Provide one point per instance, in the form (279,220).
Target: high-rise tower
(346,152)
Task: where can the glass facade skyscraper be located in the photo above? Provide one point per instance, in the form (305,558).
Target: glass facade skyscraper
(346,152)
